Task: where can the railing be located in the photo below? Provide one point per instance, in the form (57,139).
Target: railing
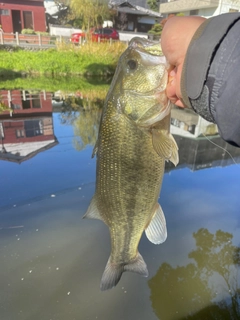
(11,96)
(29,40)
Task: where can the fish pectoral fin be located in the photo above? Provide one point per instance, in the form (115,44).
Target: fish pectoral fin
(165,146)
(113,272)
(156,231)
(92,211)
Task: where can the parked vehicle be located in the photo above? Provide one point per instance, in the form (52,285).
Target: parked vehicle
(98,34)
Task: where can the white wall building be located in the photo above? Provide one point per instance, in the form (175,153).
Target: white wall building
(204,8)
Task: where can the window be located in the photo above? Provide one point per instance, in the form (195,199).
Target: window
(19,133)
(33,128)
(107,31)
(4,12)
(194,12)
(27,18)
(1,131)
(15,106)
(36,102)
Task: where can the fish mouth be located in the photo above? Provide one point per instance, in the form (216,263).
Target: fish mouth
(152,47)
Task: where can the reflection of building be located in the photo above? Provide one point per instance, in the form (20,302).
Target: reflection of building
(197,154)
(28,128)
(187,123)
(192,134)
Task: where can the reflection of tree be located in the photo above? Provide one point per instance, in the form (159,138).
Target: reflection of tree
(189,292)
(86,128)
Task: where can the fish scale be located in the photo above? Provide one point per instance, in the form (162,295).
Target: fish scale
(133,144)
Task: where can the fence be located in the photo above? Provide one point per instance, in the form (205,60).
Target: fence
(48,41)
(29,40)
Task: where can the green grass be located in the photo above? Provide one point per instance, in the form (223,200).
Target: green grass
(67,59)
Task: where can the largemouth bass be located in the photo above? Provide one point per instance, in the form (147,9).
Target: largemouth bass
(133,144)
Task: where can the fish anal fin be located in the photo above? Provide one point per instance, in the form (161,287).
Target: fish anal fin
(165,145)
(112,273)
(92,211)
(156,231)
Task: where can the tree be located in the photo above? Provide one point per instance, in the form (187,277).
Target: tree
(153,4)
(92,12)
(189,292)
(122,21)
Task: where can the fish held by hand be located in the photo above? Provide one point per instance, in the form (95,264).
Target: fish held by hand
(134,141)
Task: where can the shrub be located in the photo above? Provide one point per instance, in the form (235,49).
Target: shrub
(28,31)
(42,33)
(156,29)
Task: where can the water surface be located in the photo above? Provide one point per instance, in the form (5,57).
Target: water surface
(52,260)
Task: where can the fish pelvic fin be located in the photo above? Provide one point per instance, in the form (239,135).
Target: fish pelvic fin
(92,211)
(165,146)
(156,231)
(112,273)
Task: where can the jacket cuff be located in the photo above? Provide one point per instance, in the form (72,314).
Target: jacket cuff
(201,52)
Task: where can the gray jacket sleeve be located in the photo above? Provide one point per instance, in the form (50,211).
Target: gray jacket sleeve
(210,82)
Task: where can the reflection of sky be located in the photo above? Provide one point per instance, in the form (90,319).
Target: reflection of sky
(51,171)
(52,260)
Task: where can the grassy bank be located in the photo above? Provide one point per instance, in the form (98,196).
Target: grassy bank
(51,84)
(67,59)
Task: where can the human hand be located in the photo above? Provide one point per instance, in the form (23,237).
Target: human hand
(176,37)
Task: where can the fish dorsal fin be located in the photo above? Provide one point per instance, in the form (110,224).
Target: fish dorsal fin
(113,272)
(92,211)
(156,231)
(95,149)
(165,146)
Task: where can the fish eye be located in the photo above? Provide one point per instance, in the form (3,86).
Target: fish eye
(132,64)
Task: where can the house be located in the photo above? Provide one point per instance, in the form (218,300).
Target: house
(16,15)
(206,8)
(28,129)
(131,17)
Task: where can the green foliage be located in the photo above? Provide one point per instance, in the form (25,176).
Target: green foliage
(92,87)
(28,31)
(78,22)
(180,14)
(156,29)
(67,59)
(153,4)
(3,106)
(42,33)
(92,12)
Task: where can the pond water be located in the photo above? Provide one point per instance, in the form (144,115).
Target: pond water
(52,260)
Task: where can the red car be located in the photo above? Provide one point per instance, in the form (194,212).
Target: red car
(100,33)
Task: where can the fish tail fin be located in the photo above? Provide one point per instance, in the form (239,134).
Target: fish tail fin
(112,273)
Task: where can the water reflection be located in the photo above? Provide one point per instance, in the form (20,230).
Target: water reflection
(27,127)
(84,114)
(207,288)
(52,260)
